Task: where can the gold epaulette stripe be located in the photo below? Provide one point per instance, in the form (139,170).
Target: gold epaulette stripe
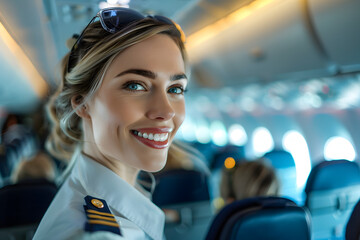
(101,217)
(101,222)
(100,213)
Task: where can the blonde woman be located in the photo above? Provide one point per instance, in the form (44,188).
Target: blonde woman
(248,179)
(116,112)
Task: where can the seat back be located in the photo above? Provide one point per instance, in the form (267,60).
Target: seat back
(25,203)
(180,186)
(353,225)
(332,190)
(271,218)
(284,165)
(184,197)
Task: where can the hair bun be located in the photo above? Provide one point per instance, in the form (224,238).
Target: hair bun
(71,41)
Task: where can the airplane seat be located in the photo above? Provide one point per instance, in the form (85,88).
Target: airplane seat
(184,197)
(332,190)
(284,165)
(271,218)
(206,149)
(5,165)
(352,228)
(22,205)
(217,163)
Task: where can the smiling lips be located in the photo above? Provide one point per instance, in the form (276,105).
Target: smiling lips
(157,138)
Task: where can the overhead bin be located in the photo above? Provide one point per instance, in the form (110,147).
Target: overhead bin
(337,23)
(271,40)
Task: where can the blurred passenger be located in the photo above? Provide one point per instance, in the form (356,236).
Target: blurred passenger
(248,179)
(38,167)
(11,129)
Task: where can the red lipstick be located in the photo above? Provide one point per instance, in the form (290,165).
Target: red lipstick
(152,143)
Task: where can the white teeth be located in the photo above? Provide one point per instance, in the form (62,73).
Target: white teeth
(151,136)
(163,137)
(157,137)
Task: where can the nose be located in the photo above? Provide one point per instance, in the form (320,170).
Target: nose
(160,107)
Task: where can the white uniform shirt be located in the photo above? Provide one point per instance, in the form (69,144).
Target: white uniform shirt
(137,216)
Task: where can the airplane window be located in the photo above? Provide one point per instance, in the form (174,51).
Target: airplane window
(237,135)
(187,130)
(339,148)
(203,134)
(262,141)
(295,143)
(218,133)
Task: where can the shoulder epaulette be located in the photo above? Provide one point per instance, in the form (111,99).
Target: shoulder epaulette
(99,216)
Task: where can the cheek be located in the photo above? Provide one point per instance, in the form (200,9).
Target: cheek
(179,113)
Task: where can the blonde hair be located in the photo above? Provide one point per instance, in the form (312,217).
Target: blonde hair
(249,179)
(39,166)
(96,51)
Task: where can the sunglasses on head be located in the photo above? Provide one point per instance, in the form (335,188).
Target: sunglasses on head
(116,19)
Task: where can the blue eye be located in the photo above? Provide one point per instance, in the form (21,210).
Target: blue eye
(133,86)
(176,90)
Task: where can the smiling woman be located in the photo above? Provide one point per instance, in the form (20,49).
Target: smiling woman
(116,112)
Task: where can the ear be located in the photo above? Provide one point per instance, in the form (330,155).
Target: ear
(81,111)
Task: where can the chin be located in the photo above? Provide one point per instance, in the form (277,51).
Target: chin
(154,166)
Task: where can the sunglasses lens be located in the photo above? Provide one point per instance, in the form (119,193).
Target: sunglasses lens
(115,20)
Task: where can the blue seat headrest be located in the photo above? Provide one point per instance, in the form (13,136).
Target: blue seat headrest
(261,218)
(180,186)
(280,159)
(334,174)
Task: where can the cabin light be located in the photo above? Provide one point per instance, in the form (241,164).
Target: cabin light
(229,163)
(113,3)
(120,2)
(196,39)
(33,76)
(124,2)
(349,96)
(247,104)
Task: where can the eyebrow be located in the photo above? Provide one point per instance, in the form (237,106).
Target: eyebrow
(150,74)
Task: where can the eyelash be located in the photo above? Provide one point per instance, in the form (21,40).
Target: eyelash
(182,90)
(127,85)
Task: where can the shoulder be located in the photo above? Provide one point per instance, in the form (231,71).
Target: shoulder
(99,217)
(63,217)
(102,235)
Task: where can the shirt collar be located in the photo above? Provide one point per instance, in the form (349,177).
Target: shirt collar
(122,198)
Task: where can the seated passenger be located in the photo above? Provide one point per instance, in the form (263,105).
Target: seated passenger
(248,179)
(38,167)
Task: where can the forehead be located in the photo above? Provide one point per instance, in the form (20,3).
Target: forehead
(157,53)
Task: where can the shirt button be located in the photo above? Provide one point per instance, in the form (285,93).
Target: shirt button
(97,203)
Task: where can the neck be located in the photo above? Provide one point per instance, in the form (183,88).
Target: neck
(127,173)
